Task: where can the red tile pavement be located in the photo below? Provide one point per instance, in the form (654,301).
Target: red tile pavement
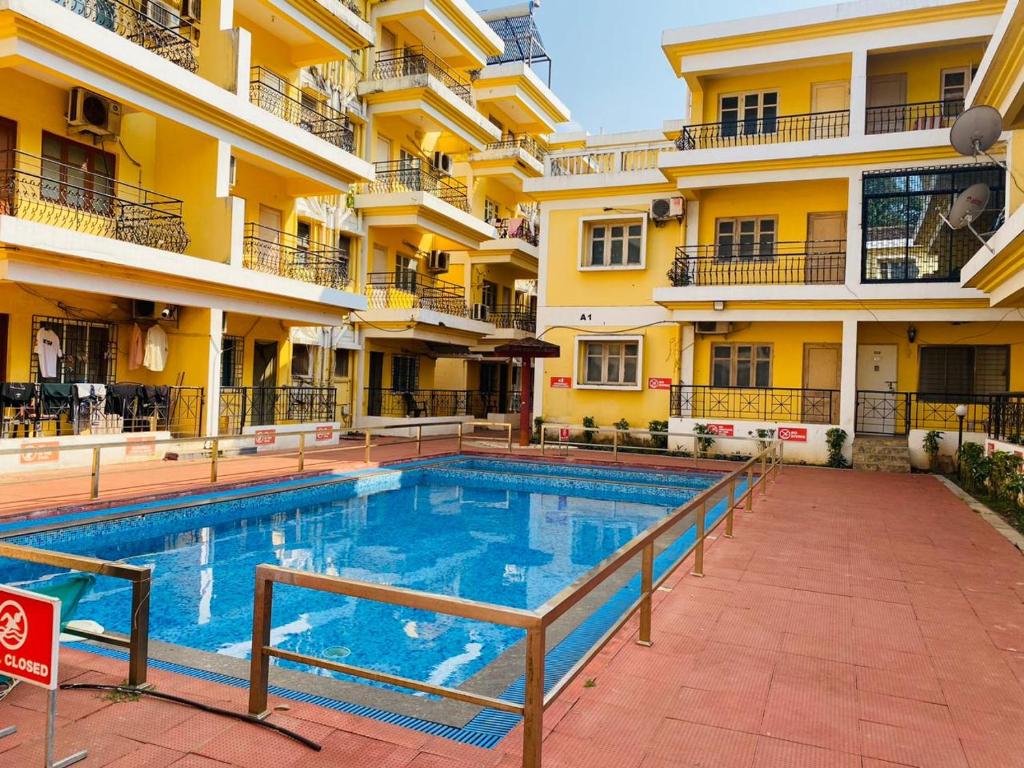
(856,620)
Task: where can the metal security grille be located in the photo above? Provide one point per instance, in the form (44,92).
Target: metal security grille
(905,238)
(89,350)
(231,360)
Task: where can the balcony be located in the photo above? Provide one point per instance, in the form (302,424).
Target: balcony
(920,116)
(420,60)
(765,130)
(819,262)
(518,228)
(157,28)
(896,413)
(427,403)
(242,407)
(283,254)
(275,95)
(771,404)
(1006,417)
(418,176)
(513,317)
(623,160)
(411,290)
(49,192)
(527,144)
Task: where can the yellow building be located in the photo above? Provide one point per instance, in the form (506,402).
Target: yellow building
(779,258)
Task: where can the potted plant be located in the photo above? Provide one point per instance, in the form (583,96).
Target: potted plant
(705,439)
(932,441)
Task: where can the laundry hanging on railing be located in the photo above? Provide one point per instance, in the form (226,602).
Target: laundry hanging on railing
(155,358)
(48,349)
(136,349)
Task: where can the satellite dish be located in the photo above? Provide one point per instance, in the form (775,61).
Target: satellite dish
(968,206)
(976,130)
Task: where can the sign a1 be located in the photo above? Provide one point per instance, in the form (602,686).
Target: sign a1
(655,382)
(29,635)
(561,382)
(793,434)
(722,430)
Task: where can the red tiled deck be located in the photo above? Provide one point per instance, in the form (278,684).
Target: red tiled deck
(856,620)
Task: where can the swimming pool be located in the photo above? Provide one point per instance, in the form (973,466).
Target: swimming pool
(508,532)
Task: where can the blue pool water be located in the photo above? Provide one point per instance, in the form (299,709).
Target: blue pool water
(512,533)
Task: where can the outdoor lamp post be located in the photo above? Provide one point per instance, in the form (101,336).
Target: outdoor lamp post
(961,413)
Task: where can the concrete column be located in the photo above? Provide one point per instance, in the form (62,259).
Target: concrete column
(858,92)
(854,203)
(848,379)
(211,415)
(688,338)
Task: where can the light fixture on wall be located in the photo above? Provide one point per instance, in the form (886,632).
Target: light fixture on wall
(719,306)
(911,333)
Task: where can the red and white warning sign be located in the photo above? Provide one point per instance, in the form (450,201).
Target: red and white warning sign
(563,434)
(29,635)
(793,434)
(722,430)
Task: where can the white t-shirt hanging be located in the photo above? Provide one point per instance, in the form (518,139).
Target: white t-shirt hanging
(48,349)
(156,349)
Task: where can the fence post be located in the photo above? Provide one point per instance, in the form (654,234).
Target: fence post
(259,667)
(764,473)
(615,445)
(94,487)
(509,437)
(646,587)
(419,439)
(460,437)
(214,457)
(302,451)
(732,506)
(750,488)
(698,556)
(138,639)
(542,432)
(366,450)
(533,703)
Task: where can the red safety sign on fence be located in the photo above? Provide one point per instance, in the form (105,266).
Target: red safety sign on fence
(722,430)
(655,382)
(793,434)
(563,433)
(266,436)
(561,382)
(29,636)
(324,433)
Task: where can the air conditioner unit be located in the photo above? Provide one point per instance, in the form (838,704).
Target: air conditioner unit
(709,328)
(192,10)
(443,162)
(438,261)
(161,14)
(480,312)
(666,208)
(89,112)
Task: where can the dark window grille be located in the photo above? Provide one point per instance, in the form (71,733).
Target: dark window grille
(956,369)
(405,373)
(231,360)
(89,350)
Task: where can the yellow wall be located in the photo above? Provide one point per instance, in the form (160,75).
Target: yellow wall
(924,67)
(254,329)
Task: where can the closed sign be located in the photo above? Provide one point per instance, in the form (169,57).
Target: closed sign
(29,633)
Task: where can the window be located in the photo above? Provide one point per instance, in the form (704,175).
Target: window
(77,175)
(745,238)
(231,348)
(344,255)
(964,370)
(748,113)
(302,361)
(341,363)
(405,373)
(610,363)
(492,212)
(405,273)
(741,365)
(303,233)
(88,350)
(955,84)
(614,243)
(489,295)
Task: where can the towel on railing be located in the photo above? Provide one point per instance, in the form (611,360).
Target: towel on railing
(14,394)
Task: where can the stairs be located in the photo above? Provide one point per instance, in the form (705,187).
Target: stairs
(881,454)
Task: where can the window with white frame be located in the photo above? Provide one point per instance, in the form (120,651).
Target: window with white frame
(955,84)
(613,243)
(748,113)
(741,365)
(302,361)
(746,238)
(610,362)
(492,211)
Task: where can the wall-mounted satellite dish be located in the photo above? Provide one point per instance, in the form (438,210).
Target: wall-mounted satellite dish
(968,208)
(976,130)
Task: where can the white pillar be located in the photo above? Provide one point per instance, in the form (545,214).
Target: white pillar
(858,92)
(211,413)
(848,379)
(854,210)
(688,338)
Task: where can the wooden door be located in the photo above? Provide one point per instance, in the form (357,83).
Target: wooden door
(831,97)
(887,95)
(822,373)
(375,399)
(269,250)
(383,150)
(264,381)
(826,248)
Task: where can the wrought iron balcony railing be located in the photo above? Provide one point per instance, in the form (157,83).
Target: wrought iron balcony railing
(526,143)
(415,175)
(517,228)
(919,116)
(281,253)
(801,262)
(50,192)
(427,403)
(420,60)
(412,290)
(154,26)
(277,96)
(896,413)
(807,406)
(514,317)
(765,130)
(242,407)
(1006,417)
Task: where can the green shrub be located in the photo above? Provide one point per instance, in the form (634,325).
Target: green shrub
(705,438)
(931,442)
(589,422)
(659,433)
(538,424)
(835,439)
(974,466)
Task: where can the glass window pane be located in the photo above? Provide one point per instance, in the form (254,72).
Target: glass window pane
(763,369)
(722,352)
(743,373)
(617,230)
(614,367)
(633,256)
(616,253)
(597,253)
(635,230)
(598,232)
(720,373)
(725,227)
(629,370)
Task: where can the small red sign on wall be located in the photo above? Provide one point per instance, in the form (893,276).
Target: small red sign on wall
(793,434)
(40,453)
(29,631)
(324,433)
(561,382)
(722,430)
(563,433)
(140,446)
(266,436)
(655,382)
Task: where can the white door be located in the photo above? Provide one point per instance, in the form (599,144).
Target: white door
(831,98)
(878,406)
(383,153)
(886,96)
(270,237)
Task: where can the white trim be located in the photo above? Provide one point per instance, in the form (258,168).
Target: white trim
(578,341)
(624,217)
